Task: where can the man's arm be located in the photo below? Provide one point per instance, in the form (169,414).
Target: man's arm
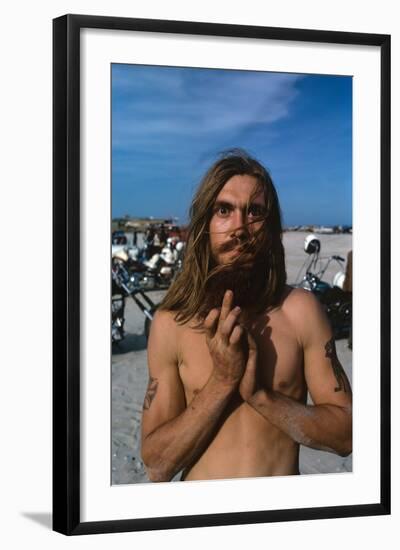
(326,425)
(174,435)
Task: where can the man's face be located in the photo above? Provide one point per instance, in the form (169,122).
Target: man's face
(238,214)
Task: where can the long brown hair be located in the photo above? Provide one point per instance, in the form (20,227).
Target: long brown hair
(186,294)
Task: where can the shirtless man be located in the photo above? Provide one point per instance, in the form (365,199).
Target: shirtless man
(233,350)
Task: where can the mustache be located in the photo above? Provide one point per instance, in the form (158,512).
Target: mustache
(244,245)
(232,244)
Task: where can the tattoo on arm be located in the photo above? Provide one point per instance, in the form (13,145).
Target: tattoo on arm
(330,352)
(150,393)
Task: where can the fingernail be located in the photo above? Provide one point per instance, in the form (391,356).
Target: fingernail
(237,309)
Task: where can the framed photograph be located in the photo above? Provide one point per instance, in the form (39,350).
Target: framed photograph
(208,178)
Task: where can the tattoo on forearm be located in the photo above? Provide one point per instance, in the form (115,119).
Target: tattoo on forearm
(150,393)
(330,352)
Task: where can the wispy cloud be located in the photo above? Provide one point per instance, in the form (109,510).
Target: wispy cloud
(153,104)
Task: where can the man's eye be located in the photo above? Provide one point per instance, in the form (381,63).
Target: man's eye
(256,211)
(223,210)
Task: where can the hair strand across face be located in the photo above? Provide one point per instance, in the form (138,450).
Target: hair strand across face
(200,283)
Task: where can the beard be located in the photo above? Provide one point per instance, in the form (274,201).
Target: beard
(247,281)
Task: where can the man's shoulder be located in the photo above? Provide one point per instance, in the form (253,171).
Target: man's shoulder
(163,338)
(305,312)
(168,334)
(299,300)
(164,320)
(302,307)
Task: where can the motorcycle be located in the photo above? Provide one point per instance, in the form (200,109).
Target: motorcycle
(336,301)
(124,286)
(156,273)
(163,267)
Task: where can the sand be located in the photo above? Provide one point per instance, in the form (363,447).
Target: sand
(129,374)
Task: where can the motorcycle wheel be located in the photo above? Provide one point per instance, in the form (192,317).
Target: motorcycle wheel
(117,318)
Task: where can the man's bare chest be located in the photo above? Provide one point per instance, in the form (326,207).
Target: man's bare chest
(280,358)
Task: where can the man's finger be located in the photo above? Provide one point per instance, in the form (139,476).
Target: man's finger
(226,306)
(236,335)
(210,322)
(227,326)
(252,350)
(251,344)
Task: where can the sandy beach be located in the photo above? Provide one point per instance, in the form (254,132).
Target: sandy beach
(129,373)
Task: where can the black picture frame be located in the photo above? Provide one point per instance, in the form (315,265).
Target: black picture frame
(66,273)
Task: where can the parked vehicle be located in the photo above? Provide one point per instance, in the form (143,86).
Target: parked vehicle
(336,301)
(162,267)
(123,287)
(155,273)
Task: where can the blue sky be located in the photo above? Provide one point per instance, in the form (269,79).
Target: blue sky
(169,124)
